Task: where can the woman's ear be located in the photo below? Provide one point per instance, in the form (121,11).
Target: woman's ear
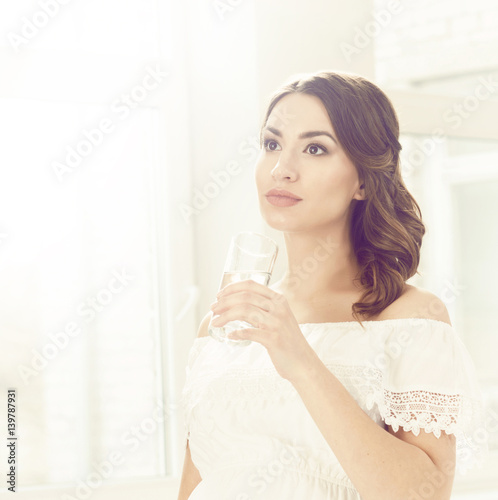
(360,192)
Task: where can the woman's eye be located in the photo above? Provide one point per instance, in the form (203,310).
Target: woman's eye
(269,144)
(314,148)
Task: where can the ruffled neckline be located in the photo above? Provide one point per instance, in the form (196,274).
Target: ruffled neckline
(371,322)
(354,324)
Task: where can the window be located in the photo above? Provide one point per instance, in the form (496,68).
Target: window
(87,215)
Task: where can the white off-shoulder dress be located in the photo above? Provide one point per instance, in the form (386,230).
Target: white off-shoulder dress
(251,436)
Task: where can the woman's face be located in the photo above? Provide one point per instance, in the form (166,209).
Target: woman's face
(315,168)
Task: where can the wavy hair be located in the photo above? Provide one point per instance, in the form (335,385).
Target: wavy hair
(386,228)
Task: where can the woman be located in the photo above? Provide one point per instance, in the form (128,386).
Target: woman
(347,362)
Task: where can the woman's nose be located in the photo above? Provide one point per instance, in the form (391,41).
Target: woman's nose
(284,169)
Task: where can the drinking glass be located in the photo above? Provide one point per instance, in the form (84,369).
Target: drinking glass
(250,256)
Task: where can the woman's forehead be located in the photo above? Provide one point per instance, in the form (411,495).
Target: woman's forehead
(299,112)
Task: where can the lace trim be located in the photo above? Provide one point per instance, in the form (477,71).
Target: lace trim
(413,410)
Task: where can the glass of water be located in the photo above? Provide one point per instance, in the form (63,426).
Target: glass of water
(250,257)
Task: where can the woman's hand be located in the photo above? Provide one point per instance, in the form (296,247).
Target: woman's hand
(275,326)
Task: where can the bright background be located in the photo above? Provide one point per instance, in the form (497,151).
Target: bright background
(105,274)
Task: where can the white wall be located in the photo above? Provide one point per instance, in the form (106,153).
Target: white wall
(237,58)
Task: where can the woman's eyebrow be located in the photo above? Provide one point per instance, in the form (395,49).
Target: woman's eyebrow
(304,135)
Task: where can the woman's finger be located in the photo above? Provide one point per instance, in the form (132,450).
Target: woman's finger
(243,312)
(253,334)
(242,297)
(249,285)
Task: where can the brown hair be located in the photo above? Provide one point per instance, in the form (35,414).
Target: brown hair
(386,228)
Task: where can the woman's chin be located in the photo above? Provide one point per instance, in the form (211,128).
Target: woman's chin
(281,221)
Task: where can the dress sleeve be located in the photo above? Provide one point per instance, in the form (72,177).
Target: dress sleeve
(428,381)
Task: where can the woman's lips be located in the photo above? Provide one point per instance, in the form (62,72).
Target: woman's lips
(282,201)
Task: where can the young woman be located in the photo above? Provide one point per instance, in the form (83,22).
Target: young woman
(348,363)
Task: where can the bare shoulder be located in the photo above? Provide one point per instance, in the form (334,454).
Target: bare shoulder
(416,302)
(203,327)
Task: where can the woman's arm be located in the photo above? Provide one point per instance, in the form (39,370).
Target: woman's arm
(190,477)
(382,465)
